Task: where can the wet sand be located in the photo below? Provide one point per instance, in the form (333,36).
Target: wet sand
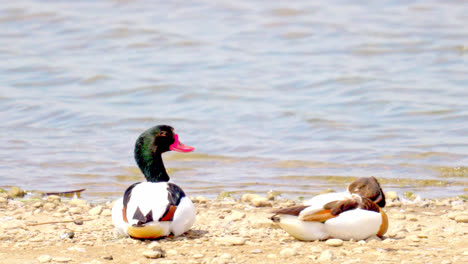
(229,230)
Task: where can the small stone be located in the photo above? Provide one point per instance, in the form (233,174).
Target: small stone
(108,257)
(361,242)
(78,202)
(37,204)
(248,197)
(226,256)
(153,254)
(106,212)
(272,256)
(261,202)
(78,222)
(75,210)
(373,238)
(326,256)
(172,252)
(461,219)
(256,251)
(234,216)
(412,218)
(232,241)
(53,199)
(446,261)
(69,234)
(44,258)
(61,259)
(95,210)
(271,195)
(3,200)
(452,215)
(198,256)
(15,192)
(391,195)
(334,242)
(288,252)
(154,245)
(49,206)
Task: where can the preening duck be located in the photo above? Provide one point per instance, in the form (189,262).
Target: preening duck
(154,208)
(354,214)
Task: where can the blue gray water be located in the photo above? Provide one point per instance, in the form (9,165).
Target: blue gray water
(294,96)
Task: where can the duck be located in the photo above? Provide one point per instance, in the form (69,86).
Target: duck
(156,208)
(353,214)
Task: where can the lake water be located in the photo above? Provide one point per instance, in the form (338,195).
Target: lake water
(295,97)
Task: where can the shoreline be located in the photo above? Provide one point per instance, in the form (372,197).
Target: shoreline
(227,230)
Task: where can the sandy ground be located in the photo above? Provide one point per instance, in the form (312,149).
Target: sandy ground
(52,230)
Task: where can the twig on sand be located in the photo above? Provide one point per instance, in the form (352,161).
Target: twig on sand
(58,222)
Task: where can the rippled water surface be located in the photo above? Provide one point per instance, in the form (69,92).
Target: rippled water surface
(295,96)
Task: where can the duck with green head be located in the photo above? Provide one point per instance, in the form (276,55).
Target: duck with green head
(155,208)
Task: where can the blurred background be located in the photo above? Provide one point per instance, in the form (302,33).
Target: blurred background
(295,97)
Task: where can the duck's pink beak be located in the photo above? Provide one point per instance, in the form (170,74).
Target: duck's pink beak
(179,147)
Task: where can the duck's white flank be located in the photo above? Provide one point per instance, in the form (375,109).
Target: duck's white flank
(153,198)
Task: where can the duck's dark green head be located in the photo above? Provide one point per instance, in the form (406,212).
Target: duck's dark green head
(370,188)
(149,147)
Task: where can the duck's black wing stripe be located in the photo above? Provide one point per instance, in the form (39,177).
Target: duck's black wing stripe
(128,194)
(175,194)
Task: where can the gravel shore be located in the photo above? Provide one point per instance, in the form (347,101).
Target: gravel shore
(229,230)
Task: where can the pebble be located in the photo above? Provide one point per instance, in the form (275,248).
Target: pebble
(69,234)
(78,202)
(106,212)
(256,251)
(95,210)
(172,252)
(154,245)
(36,204)
(235,216)
(153,254)
(15,192)
(391,195)
(461,219)
(75,210)
(411,218)
(326,256)
(248,197)
(261,202)
(44,258)
(3,200)
(53,199)
(288,252)
(232,241)
(373,238)
(49,206)
(61,259)
(198,256)
(334,242)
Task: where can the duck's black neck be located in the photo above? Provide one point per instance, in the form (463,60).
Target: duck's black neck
(156,172)
(150,163)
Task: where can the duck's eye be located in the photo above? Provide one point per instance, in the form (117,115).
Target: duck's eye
(162,134)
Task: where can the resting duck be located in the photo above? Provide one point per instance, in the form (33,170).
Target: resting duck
(354,214)
(155,208)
